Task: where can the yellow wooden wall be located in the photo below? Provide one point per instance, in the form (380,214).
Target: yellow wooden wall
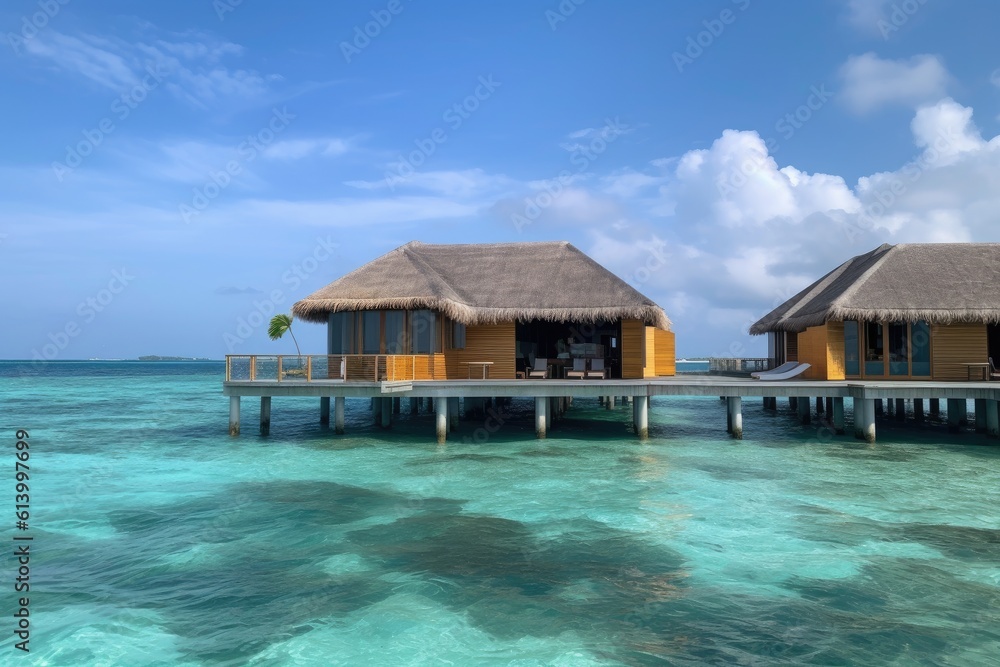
(430,367)
(791,346)
(661,355)
(822,347)
(488,342)
(633,343)
(836,362)
(956,344)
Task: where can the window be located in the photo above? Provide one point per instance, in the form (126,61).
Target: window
(899,351)
(852,361)
(423,332)
(874,350)
(457,336)
(341,339)
(371,332)
(395,332)
(920,346)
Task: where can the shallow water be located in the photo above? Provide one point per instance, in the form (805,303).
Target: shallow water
(159,540)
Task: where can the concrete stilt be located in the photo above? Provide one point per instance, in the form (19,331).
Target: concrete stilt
(396,405)
(453,414)
(610,403)
(859,418)
(819,405)
(265,415)
(234,415)
(324,410)
(829,408)
(441,420)
(793,403)
(992,418)
(729,418)
(900,409)
(386,412)
(935,407)
(642,417)
(803,408)
(541,405)
(837,410)
(918,409)
(735,405)
(890,407)
(879,407)
(413,406)
(956,413)
(338,415)
(980,415)
(868,427)
(377,410)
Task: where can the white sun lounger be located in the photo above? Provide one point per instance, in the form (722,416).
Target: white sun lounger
(798,370)
(787,366)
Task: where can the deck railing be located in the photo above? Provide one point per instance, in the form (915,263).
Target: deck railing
(739,365)
(312,367)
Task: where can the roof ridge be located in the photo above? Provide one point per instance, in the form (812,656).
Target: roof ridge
(863,278)
(446,291)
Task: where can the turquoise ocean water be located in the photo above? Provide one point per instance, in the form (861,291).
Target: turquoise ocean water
(159,540)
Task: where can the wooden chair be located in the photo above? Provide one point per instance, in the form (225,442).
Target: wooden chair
(597,369)
(579,369)
(994,375)
(540,369)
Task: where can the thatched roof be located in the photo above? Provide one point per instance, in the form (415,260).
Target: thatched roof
(486,283)
(934,282)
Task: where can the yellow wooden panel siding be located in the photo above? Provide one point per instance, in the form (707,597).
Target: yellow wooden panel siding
(953,345)
(633,341)
(666,353)
(836,368)
(649,370)
(791,346)
(812,350)
(488,342)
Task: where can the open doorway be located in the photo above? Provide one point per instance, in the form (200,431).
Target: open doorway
(993,342)
(559,341)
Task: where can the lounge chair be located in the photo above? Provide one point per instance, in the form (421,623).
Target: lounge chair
(597,369)
(579,369)
(787,366)
(540,369)
(994,375)
(786,375)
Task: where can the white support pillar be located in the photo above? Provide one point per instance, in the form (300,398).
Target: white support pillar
(859,418)
(735,405)
(992,418)
(234,415)
(338,415)
(441,419)
(265,415)
(641,404)
(324,410)
(838,415)
(541,421)
(868,426)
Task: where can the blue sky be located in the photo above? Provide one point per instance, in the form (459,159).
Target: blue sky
(170,170)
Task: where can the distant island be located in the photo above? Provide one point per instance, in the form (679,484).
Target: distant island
(153,357)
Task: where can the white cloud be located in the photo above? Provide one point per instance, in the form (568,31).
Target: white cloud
(463,184)
(870,82)
(296,149)
(865,14)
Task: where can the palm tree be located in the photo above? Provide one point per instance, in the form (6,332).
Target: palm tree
(280,324)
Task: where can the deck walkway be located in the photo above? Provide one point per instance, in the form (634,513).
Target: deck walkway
(552,397)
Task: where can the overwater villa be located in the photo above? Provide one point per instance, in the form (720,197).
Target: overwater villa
(499,310)
(913,311)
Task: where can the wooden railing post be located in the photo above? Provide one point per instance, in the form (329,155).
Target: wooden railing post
(253,367)
(229,363)
(309,368)
(279,368)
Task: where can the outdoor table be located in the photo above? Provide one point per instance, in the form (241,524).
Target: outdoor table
(485,365)
(982,370)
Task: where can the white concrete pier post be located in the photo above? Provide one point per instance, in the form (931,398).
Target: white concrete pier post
(735,405)
(610,402)
(265,415)
(338,415)
(641,404)
(234,415)
(324,410)
(386,412)
(541,407)
(441,419)
(992,418)
(868,427)
(860,406)
(838,415)
(453,414)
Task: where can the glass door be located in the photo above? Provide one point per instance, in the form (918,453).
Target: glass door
(874,349)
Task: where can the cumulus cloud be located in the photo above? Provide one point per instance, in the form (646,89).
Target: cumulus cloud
(870,82)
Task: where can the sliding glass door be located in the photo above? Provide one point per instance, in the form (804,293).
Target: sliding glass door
(889,349)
